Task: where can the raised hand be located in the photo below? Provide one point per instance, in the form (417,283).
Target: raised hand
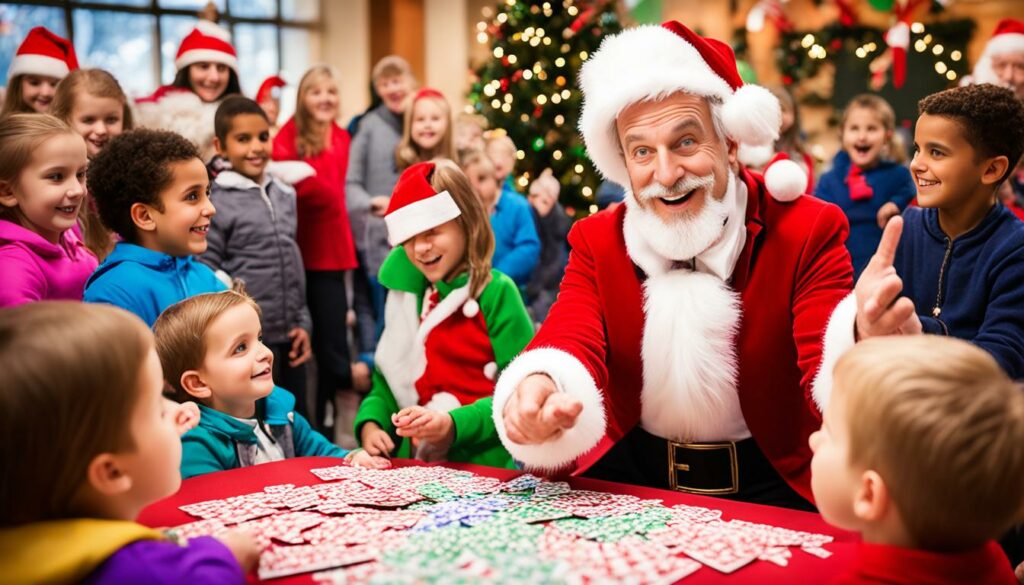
(880,309)
(424,424)
(537,412)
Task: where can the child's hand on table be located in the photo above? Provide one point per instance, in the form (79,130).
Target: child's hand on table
(243,545)
(425,425)
(375,440)
(361,458)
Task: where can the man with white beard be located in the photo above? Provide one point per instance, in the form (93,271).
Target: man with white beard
(683,349)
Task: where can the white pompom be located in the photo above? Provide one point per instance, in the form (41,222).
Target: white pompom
(785,180)
(752,115)
(491,371)
(212,29)
(470,308)
(755,155)
(755,19)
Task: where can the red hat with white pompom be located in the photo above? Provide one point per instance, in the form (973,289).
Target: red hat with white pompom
(1007,38)
(650,62)
(207,43)
(270,89)
(415,206)
(43,53)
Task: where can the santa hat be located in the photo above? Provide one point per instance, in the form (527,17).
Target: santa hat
(207,43)
(270,88)
(415,206)
(43,53)
(650,62)
(1007,38)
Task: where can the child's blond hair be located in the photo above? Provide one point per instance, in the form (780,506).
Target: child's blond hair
(14,98)
(894,150)
(472,219)
(943,425)
(20,135)
(408,152)
(181,333)
(475,156)
(95,82)
(390,66)
(71,381)
(310,135)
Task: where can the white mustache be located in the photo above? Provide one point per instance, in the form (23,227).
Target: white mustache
(681,187)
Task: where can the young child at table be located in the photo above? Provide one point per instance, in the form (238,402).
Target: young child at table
(212,353)
(868,180)
(451,324)
(152,189)
(42,190)
(921,450)
(86,442)
(517,247)
(92,102)
(252,238)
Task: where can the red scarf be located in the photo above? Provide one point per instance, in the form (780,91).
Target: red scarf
(858,184)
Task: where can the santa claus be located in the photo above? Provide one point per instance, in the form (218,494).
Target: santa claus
(1002,61)
(684,348)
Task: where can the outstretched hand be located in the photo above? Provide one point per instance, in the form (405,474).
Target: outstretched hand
(537,412)
(880,308)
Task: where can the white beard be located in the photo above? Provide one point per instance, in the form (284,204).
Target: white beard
(689,235)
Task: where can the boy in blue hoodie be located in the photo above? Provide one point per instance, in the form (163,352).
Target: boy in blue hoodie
(152,190)
(245,419)
(961,255)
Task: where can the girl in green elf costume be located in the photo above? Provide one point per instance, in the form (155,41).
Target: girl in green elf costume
(451,323)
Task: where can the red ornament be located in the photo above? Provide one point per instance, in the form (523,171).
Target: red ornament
(581,20)
(517,75)
(847,17)
(787,79)
(505,61)
(504,84)
(537,112)
(836,44)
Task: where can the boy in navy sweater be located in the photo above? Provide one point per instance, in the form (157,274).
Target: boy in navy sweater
(961,256)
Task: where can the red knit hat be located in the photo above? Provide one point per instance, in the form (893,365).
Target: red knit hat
(43,53)
(1007,38)
(415,206)
(207,43)
(650,62)
(267,88)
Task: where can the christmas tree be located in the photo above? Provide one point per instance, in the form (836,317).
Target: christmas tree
(529,87)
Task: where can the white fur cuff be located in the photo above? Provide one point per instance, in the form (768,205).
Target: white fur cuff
(838,339)
(571,377)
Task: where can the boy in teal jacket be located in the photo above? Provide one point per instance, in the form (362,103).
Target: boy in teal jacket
(245,419)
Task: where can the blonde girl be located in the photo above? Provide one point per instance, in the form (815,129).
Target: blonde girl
(92,102)
(426,129)
(41,61)
(452,322)
(42,191)
(85,430)
(868,180)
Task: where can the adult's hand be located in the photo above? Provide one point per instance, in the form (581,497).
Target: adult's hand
(537,412)
(880,309)
(379,205)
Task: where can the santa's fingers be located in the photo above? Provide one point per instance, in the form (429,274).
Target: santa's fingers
(885,293)
(885,254)
(890,321)
(561,411)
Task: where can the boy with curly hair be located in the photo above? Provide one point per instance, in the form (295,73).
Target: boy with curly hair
(151,189)
(921,451)
(960,259)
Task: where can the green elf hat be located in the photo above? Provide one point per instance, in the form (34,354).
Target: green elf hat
(415,206)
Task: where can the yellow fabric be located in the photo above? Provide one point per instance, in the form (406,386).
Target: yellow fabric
(64,551)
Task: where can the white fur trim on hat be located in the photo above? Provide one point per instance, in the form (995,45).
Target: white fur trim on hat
(571,377)
(38,65)
(785,180)
(648,63)
(205,56)
(420,216)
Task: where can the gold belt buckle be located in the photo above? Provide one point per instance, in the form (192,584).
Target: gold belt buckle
(674,468)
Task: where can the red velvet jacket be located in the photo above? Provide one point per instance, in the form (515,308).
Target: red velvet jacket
(324,233)
(793,271)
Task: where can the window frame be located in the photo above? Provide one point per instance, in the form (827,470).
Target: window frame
(225,19)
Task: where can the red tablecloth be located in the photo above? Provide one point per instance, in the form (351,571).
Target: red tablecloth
(803,567)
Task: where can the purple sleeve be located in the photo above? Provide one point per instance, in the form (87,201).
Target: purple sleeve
(158,562)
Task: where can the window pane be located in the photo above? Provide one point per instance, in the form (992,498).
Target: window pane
(119,2)
(119,42)
(300,9)
(191,4)
(172,30)
(300,48)
(254,8)
(256,45)
(15,22)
